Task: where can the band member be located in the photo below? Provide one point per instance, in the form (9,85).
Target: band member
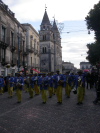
(43,82)
(36,86)
(50,81)
(81,87)
(19,84)
(31,86)
(97,99)
(26,83)
(1,84)
(11,85)
(59,80)
(66,84)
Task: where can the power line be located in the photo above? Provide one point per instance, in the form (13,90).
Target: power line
(74,31)
(76,41)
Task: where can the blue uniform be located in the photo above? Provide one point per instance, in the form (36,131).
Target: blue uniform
(1,82)
(58,84)
(19,84)
(44,83)
(1,85)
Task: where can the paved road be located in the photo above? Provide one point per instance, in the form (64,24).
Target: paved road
(31,116)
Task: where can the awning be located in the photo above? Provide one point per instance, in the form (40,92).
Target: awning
(86,70)
(35,70)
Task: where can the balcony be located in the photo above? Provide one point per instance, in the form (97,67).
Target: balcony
(33,65)
(36,65)
(13,62)
(38,53)
(5,61)
(24,63)
(3,45)
(30,49)
(13,48)
(35,51)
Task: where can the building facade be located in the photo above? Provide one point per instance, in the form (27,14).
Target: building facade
(85,65)
(33,48)
(50,46)
(19,44)
(12,41)
(68,66)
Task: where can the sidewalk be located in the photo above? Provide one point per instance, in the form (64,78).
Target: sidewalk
(31,116)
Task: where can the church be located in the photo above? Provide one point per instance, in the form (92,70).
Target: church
(50,46)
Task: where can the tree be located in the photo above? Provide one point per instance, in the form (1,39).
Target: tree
(93,21)
(93,53)
(93,24)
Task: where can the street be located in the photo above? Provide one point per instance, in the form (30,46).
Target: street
(32,116)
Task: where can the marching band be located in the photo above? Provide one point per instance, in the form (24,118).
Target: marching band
(45,84)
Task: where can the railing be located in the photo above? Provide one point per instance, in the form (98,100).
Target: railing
(35,51)
(33,65)
(30,49)
(3,45)
(5,60)
(24,63)
(13,62)
(13,48)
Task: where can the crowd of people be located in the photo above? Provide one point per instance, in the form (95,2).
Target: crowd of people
(51,84)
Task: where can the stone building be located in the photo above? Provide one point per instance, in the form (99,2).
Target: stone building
(50,46)
(33,48)
(12,41)
(19,44)
(85,65)
(68,66)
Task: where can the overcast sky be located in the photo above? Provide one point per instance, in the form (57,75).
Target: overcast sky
(73,43)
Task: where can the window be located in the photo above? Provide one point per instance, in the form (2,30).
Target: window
(44,50)
(3,33)
(12,38)
(44,37)
(31,42)
(23,45)
(43,27)
(31,61)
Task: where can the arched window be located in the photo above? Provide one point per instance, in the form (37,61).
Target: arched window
(53,36)
(45,49)
(44,37)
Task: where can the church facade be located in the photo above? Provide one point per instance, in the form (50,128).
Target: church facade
(50,46)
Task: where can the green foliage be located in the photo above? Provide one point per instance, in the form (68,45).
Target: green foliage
(93,53)
(93,24)
(93,21)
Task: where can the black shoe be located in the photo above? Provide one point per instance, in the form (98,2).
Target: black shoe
(10,97)
(78,103)
(81,103)
(44,102)
(59,102)
(95,102)
(31,97)
(19,102)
